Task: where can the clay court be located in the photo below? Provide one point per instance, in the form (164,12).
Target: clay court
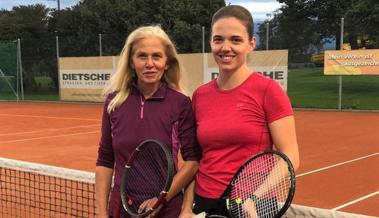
(339,151)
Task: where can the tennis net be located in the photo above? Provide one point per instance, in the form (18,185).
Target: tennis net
(37,190)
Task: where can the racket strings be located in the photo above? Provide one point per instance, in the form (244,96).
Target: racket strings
(147,176)
(260,188)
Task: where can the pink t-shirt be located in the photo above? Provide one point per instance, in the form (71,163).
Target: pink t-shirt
(232,125)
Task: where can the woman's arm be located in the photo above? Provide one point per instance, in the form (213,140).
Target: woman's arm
(103,187)
(283,134)
(188,199)
(182,178)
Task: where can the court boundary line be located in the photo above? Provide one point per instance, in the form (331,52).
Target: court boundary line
(51,130)
(355,201)
(46,137)
(49,117)
(336,165)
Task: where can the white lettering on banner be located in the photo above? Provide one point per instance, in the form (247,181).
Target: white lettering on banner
(350,56)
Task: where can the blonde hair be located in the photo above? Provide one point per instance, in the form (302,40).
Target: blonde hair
(122,81)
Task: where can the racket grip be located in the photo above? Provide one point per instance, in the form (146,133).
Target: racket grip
(161,200)
(117,209)
(200,215)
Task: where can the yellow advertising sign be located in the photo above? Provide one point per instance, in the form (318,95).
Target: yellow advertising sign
(355,62)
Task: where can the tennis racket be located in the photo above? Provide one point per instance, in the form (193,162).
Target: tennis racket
(263,187)
(148,174)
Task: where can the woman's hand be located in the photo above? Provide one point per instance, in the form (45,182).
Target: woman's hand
(250,209)
(148,204)
(186,213)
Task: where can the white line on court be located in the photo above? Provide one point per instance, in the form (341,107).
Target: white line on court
(355,201)
(336,165)
(48,117)
(44,130)
(53,136)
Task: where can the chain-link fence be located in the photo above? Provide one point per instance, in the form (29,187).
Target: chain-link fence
(9,86)
(308,87)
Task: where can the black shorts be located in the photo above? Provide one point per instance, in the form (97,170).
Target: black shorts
(218,207)
(210,206)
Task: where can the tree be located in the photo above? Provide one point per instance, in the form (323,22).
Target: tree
(78,28)
(362,23)
(303,26)
(183,21)
(292,28)
(29,23)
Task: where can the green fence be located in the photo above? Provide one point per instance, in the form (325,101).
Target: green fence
(9,71)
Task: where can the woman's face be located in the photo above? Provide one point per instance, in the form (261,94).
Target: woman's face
(149,60)
(230,44)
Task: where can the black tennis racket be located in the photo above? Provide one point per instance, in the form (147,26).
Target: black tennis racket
(263,187)
(148,174)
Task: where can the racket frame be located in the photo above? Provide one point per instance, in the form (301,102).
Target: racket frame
(292,179)
(163,193)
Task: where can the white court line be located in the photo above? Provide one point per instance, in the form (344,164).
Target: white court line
(44,130)
(48,117)
(355,201)
(336,165)
(53,136)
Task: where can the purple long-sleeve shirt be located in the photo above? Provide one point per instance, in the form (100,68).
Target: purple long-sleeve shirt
(166,116)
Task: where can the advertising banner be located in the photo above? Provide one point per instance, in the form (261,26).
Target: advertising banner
(354,62)
(272,64)
(84,78)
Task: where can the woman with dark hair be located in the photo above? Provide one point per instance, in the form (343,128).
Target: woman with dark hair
(238,114)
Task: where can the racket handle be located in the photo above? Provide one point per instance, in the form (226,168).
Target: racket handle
(117,209)
(200,215)
(161,200)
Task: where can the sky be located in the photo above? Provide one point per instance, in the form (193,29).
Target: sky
(258,8)
(8,4)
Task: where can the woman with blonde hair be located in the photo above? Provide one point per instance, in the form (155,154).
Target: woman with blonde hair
(143,101)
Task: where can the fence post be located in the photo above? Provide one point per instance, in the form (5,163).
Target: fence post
(267,33)
(20,65)
(100,45)
(59,79)
(340,76)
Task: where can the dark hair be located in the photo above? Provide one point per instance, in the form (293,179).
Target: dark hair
(238,12)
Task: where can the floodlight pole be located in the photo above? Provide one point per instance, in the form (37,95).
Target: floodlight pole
(203,39)
(268,29)
(205,57)
(100,45)
(267,33)
(59,5)
(340,77)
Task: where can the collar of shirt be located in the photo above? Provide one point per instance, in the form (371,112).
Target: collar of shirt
(159,94)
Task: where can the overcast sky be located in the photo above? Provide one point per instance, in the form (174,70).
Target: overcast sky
(8,4)
(258,8)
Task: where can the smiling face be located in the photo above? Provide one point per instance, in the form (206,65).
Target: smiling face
(149,60)
(230,44)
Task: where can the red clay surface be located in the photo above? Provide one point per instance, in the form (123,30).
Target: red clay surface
(64,135)
(67,135)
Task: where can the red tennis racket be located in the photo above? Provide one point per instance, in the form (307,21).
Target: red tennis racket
(147,175)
